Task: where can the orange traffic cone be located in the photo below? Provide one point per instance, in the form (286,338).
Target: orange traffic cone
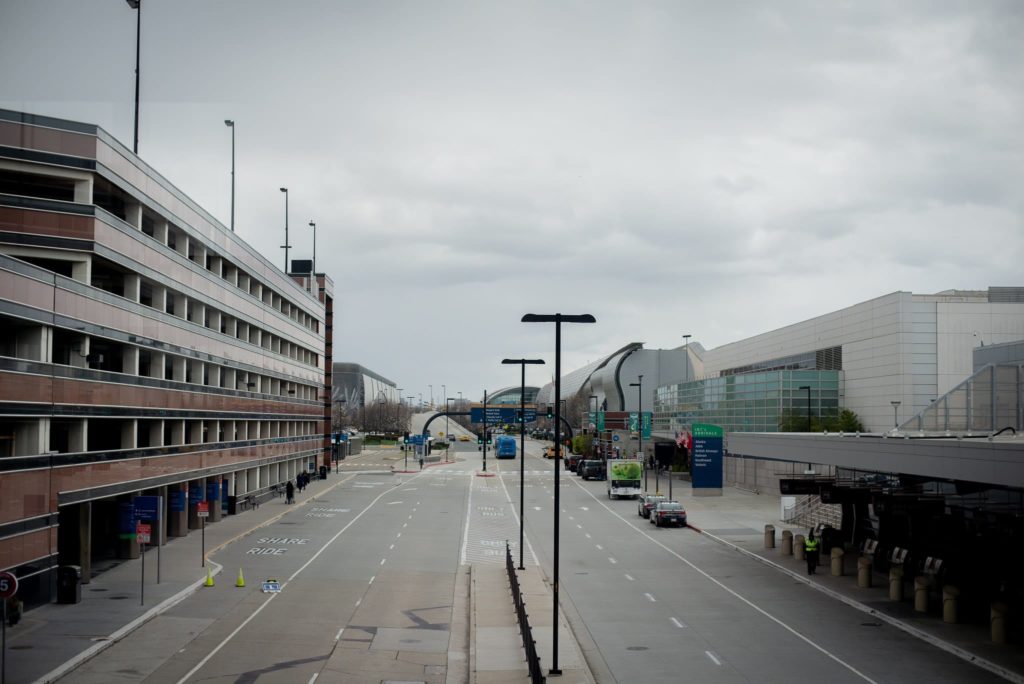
(240,582)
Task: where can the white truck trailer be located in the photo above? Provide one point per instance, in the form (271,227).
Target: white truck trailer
(624,477)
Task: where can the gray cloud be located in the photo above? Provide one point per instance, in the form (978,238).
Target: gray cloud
(718,170)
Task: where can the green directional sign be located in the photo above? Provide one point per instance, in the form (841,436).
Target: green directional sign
(600,420)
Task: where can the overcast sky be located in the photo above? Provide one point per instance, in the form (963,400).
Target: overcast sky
(717,169)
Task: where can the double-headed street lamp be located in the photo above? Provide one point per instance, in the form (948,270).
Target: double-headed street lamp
(522,442)
(639,384)
(557,319)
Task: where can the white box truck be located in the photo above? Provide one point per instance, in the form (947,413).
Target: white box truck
(624,477)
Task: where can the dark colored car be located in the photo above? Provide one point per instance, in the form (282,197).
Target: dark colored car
(572,462)
(593,470)
(668,513)
(646,502)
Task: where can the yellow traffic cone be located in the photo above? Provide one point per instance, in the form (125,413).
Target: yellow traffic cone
(241,580)
(209,578)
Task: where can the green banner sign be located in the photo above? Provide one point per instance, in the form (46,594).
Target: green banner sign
(600,420)
(635,422)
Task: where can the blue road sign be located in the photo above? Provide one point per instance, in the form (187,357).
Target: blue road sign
(501,414)
(146,507)
(417,439)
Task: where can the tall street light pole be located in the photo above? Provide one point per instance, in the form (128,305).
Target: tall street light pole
(398,410)
(484,445)
(593,434)
(316,292)
(137,6)
(557,319)
(522,443)
(639,384)
(447,401)
(431,395)
(285,246)
(231,124)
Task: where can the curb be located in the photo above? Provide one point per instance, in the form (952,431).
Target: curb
(168,603)
(472,626)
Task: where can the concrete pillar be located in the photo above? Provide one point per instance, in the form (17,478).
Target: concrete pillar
(998,622)
(177,509)
(921,583)
(799,550)
(156,433)
(127,545)
(213,498)
(896,582)
(82,271)
(83,191)
(177,432)
(837,562)
(950,597)
(864,572)
(128,433)
(132,286)
(160,231)
(787,543)
(85,540)
(130,361)
(133,215)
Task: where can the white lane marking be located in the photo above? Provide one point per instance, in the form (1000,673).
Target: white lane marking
(612,560)
(677,623)
(650,598)
(571,518)
(399,535)
(411,489)
(337,637)
(392,503)
(465,526)
(391,547)
(630,578)
(536,508)
(578,526)
(722,586)
(358,602)
(382,560)
(599,547)
(584,508)
(410,518)
(715,660)
(587,535)
(313,678)
(372,578)
(271,597)
(508,499)
(417,503)
(405,524)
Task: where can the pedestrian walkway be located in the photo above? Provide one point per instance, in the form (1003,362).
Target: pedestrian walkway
(737,519)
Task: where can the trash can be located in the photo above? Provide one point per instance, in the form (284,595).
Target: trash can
(69,584)
(323,472)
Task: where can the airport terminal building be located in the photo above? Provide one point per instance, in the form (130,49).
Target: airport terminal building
(148,350)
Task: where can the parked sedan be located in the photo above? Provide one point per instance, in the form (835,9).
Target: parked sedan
(592,470)
(668,513)
(646,502)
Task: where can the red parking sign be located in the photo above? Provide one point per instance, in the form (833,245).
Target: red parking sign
(143,532)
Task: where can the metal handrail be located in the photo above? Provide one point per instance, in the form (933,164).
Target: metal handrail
(529,645)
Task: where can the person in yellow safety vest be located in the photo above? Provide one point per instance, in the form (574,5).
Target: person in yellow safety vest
(811,552)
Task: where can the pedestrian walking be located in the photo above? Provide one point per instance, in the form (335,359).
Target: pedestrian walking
(811,552)
(289,492)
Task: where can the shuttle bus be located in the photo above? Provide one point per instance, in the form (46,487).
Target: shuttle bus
(505,446)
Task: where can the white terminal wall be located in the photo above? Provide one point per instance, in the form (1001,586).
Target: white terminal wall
(898,347)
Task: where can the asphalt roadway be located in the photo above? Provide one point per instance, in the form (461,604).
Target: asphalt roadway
(372,570)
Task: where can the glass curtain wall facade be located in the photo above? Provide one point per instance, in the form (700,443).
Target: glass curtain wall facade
(751,402)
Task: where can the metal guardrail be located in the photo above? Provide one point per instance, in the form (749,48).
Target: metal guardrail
(532,659)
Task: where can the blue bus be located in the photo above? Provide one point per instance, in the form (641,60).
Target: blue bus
(505,446)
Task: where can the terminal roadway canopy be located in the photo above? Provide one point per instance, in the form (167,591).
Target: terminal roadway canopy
(997,462)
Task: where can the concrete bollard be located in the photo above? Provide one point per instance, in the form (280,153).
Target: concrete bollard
(921,593)
(837,562)
(787,543)
(998,621)
(798,547)
(864,573)
(896,583)
(769,536)
(950,595)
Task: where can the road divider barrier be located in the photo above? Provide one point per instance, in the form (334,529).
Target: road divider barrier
(529,645)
